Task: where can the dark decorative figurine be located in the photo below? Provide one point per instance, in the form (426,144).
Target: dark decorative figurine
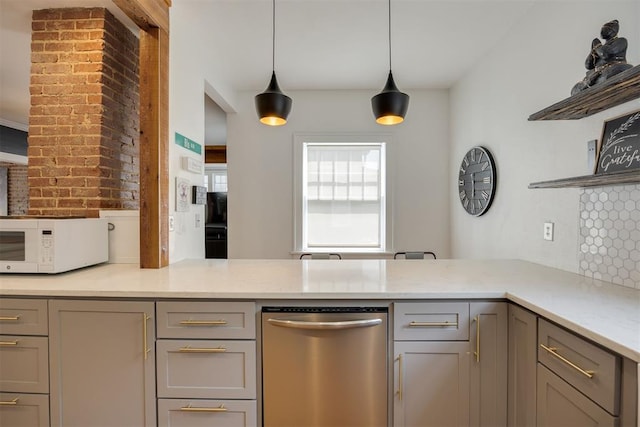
(604,60)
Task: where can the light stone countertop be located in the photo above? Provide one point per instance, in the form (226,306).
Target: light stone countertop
(606,313)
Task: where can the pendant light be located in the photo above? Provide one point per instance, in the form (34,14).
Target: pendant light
(390,106)
(272,105)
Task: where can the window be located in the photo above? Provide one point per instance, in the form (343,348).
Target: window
(215,178)
(341,194)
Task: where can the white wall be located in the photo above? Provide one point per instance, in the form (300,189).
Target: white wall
(260,168)
(534,67)
(186,113)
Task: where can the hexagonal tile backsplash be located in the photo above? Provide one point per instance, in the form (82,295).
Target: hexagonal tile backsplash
(610,234)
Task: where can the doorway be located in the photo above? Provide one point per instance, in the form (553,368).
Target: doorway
(215,180)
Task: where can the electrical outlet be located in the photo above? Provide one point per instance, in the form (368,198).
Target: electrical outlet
(171,223)
(547,233)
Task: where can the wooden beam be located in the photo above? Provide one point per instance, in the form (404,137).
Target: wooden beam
(154,148)
(147,13)
(215,154)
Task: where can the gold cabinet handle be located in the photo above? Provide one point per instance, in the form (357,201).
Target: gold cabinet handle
(189,349)
(145,348)
(8,343)
(477,352)
(554,352)
(220,322)
(13,402)
(190,408)
(414,324)
(9,318)
(399,391)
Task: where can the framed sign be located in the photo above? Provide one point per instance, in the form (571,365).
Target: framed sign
(619,148)
(182,194)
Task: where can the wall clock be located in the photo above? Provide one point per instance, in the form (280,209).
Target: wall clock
(477,181)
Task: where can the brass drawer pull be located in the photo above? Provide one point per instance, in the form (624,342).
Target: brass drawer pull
(415,324)
(190,408)
(9,318)
(8,343)
(189,349)
(145,350)
(13,402)
(220,322)
(477,352)
(399,391)
(553,351)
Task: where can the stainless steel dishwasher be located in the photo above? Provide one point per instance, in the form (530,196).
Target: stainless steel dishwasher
(324,366)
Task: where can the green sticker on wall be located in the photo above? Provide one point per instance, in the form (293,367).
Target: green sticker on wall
(189,144)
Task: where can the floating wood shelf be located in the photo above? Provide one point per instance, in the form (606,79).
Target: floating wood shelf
(632,177)
(615,91)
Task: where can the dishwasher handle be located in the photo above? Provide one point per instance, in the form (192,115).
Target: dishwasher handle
(345,324)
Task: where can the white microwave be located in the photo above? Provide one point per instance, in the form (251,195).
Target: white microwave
(53,244)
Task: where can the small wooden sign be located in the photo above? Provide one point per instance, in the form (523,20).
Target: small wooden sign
(619,147)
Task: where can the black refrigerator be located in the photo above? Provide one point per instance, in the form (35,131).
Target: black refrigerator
(215,238)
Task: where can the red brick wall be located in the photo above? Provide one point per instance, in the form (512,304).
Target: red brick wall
(84,120)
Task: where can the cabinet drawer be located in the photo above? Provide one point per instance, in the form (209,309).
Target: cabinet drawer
(24,410)
(224,320)
(23,316)
(207,413)
(589,368)
(431,321)
(560,405)
(24,364)
(206,369)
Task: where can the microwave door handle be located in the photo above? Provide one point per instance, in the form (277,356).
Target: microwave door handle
(344,324)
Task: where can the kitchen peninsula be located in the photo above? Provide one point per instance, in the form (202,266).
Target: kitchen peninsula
(590,310)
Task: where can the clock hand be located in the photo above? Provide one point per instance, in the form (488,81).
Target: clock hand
(473,187)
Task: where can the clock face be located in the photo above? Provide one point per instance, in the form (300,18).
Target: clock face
(477,181)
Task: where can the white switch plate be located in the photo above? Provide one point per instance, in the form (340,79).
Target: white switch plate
(171,223)
(547,233)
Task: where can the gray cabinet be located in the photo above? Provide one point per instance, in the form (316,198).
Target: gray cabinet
(450,364)
(206,413)
(431,384)
(431,364)
(207,351)
(102,363)
(580,383)
(24,358)
(24,410)
(523,336)
(561,405)
(488,339)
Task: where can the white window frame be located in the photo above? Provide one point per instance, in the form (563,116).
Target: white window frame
(299,139)
(210,171)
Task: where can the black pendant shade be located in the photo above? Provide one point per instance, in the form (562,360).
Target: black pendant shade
(272,105)
(390,106)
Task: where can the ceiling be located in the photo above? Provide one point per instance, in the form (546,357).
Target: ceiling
(320,44)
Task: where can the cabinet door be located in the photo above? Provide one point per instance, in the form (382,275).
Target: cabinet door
(488,364)
(24,410)
(102,363)
(522,367)
(431,384)
(561,405)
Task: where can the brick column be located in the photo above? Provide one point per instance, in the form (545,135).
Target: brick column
(84,118)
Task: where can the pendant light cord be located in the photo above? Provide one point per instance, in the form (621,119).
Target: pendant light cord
(389,35)
(273,37)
